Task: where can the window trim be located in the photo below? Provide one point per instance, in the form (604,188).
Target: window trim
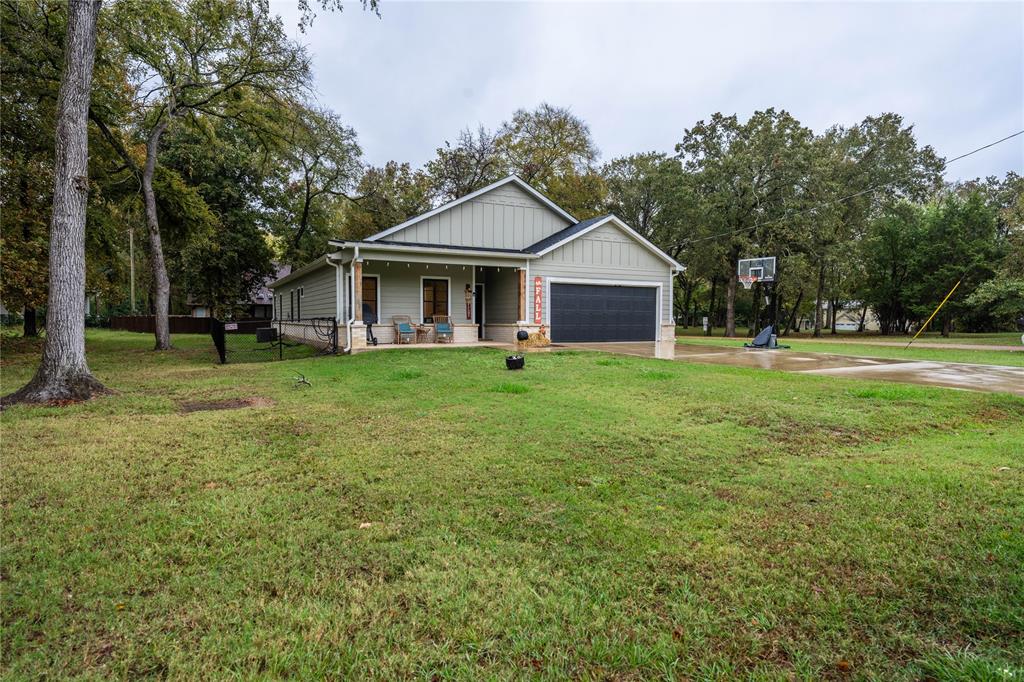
(380,299)
(426,277)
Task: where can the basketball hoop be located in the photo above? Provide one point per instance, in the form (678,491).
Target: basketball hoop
(750,270)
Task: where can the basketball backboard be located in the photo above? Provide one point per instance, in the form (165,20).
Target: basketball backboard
(752,270)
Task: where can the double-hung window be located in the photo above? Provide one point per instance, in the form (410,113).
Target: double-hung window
(435,299)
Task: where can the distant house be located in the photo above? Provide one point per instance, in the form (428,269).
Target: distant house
(502,260)
(260,305)
(848,317)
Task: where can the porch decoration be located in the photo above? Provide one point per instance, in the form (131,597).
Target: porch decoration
(538,339)
(469,302)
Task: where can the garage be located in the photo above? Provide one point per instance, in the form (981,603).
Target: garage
(589,312)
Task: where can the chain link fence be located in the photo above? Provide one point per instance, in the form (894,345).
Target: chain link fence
(266,340)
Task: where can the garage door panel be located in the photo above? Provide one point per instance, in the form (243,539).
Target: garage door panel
(589,312)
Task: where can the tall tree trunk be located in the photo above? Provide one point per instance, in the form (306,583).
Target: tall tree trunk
(63,373)
(712,308)
(730,304)
(687,296)
(832,305)
(28,327)
(817,299)
(161,283)
(304,221)
(792,315)
(863,316)
(947,326)
(774,308)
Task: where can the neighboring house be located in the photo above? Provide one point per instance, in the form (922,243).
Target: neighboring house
(848,318)
(502,259)
(260,305)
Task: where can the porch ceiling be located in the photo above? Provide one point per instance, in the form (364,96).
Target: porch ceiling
(438,255)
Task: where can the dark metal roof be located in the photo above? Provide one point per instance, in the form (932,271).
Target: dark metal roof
(562,235)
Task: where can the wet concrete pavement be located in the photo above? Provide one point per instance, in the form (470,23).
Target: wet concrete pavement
(994,378)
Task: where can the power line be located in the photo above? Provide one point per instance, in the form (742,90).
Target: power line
(841,199)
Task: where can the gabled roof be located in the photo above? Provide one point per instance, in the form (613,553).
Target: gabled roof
(514,179)
(565,236)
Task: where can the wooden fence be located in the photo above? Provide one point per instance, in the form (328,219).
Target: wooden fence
(181,324)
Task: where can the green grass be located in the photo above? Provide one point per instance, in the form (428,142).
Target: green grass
(411,514)
(870,350)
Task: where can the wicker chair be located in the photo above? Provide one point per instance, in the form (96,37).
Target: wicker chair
(404,331)
(443,330)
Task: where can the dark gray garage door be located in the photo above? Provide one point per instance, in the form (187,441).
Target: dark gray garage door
(587,312)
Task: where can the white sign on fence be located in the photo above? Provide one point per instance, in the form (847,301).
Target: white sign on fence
(231,326)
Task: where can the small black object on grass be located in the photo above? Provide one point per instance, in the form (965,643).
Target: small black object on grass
(515,361)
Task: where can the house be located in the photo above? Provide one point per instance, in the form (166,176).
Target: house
(848,318)
(499,260)
(259,306)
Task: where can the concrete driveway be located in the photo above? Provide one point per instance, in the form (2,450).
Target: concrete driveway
(994,378)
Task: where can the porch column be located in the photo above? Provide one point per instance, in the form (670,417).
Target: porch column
(522,294)
(357,305)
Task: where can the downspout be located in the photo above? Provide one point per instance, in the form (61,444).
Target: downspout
(352,303)
(339,282)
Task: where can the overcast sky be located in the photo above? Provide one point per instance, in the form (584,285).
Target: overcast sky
(640,74)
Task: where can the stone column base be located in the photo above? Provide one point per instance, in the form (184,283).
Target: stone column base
(358,336)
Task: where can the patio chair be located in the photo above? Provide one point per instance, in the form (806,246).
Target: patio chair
(404,331)
(443,330)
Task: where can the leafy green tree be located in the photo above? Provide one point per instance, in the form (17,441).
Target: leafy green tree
(890,253)
(1001,299)
(31,40)
(552,149)
(326,160)
(466,166)
(858,171)
(386,197)
(219,210)
(958,244)
(203,57)
(746,175)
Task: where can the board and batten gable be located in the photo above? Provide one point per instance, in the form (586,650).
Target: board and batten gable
(319,294)
(506,217)
(606,253)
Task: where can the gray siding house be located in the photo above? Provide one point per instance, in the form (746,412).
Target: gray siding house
(502,259)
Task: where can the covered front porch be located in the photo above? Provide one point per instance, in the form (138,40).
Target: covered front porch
(480,293)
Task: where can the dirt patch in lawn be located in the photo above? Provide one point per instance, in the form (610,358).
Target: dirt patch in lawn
(190,406)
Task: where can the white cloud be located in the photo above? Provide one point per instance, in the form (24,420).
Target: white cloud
(640,73)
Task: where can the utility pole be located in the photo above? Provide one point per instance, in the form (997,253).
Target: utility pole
(131,258)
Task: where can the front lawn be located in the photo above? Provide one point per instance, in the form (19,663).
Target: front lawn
(426,513)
